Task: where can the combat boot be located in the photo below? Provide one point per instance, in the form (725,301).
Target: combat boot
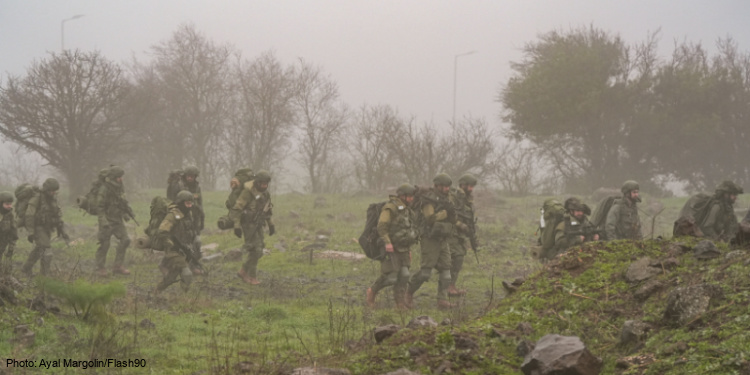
(102,272)
(370,298)
(445,305)
(408,300)
(247,278)
(120,270)
(454,292)
(164,270)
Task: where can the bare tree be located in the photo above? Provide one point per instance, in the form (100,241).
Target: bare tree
(195,75)
(417,150)
(321,121)
(514,168)
(70,109)
(19,167)
(468,147)
(262,121)
(372,131)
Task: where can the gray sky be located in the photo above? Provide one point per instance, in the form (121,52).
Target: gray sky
(396,52)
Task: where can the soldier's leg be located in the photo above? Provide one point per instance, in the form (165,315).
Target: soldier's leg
(402,280)
(175,264)
(430,252)
(121,233)
(197,255)
(458,254)
(444,270)
(43,239)
(5,248)
(104,235)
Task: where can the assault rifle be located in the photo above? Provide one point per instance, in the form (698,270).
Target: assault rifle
(189,253)
(586,231)
(125,206)
(471,222)
(260,217)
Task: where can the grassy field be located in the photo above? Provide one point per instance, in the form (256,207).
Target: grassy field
(307,310)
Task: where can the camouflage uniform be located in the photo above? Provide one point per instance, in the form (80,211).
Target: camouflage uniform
(175,184)
(396,226)
(8,233)
(112,208)
(43,215)
(721,223)
(250,213)
(623,221)
(569,231)
(194,187)
(439,224)
(460,242)
(175,231)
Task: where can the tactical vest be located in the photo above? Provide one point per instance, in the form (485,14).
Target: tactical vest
(112,198)
(48,213)
(402,229)
(628,224)
(7,224)
(183,227)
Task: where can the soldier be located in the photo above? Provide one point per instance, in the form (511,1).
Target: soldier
(112,209)
(623,221)
(43,215)
(175,233)
(8,232)
(575,228)
(721,223)
(250,213)
(464,235)
(191,184)
(397,229)
(175,184)
(439,218)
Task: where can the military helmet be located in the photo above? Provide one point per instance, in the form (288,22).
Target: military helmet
(263,176)
(442,179)
(6,197)
(51,184)
(184,196)
(575,204)
(244,173)
(729,187)
(467,179)
(191,171)
(406,189)
(629,186)
(115,172)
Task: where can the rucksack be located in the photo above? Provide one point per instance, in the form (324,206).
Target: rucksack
(697,206)
(599,217)
(370,240)
(552,213)
(23,194)
(159,209)
(88,202)
(242,179)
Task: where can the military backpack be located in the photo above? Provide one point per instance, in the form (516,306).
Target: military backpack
(158,211)
(370,240)
(698,207)
(599,216)
(88,202)
(552,213)
(23,194)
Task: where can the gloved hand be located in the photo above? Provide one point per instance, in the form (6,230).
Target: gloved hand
(30,238)
(238,232)
(271,230)
(389,248)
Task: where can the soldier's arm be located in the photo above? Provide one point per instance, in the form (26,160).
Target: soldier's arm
(162,240)
(101,203)
(235,213)
(384,222)
(30,218)
(709,225)
(612,216)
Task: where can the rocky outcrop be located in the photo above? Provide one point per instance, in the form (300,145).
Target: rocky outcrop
(555,354)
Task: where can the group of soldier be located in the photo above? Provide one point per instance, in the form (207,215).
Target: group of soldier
(440,220)
(714,219)
(177,233)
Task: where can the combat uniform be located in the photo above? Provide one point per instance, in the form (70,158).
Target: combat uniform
(176,231)
(43,215)
(250,213)
(112,208)
(8,234)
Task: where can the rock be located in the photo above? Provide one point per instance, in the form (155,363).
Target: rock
(383,332)
(7,294)
(37,304)
(233,255)
(344,255)
(676,348)
(641,270)
(633,332)
(734,254)
(649,288)
(446,322)
(421,321)
(555,354)
(525,328)
(706,249)
(677,249)
(23,335)
(509,288)
(524,347)
(688,303)
(402,371)
(320,371)
(147,324)
(67,334)
(416,351)
(210,247)
(322,238)
(464,342)
(518,281)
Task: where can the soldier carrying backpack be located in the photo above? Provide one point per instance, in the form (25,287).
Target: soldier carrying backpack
(112,209)
(41,215)
(8,232)
(623,221)
(713,215)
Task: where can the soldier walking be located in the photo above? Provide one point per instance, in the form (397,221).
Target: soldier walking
(112,210)
(250,213)
(43,215)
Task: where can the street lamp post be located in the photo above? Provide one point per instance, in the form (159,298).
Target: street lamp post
(455,76)
(62,30)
